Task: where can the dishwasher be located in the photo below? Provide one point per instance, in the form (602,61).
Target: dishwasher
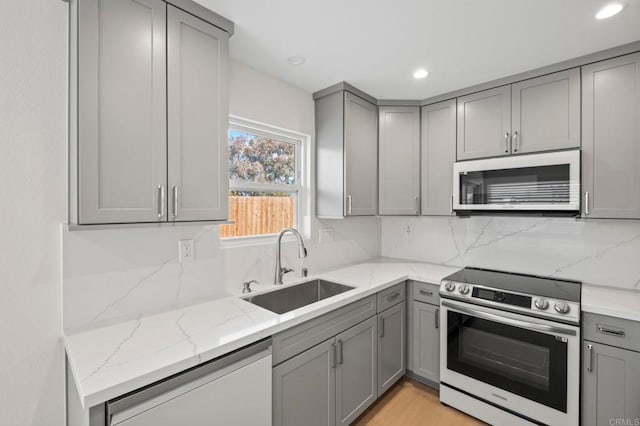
(231,390)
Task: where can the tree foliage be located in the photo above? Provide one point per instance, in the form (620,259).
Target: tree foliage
(261,160)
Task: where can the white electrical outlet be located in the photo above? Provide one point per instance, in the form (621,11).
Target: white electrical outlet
(186,251)
(325,235)
(407,230)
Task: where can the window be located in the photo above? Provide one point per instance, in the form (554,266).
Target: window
(266,191)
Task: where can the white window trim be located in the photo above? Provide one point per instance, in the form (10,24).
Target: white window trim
(302,147)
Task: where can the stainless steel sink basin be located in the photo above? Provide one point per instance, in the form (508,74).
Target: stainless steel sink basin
(289,298)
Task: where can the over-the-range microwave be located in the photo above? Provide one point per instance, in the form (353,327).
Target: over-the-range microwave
(531,182)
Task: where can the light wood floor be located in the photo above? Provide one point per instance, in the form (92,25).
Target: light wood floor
(411,403)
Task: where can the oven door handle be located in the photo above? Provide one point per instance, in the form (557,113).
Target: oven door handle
(507,319)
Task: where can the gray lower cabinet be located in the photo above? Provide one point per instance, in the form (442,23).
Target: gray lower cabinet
(304,388)
(611,138)
(438,154)
(484,124)
(148,114)
(331,383)
(391,346)
(426,341)
(356,372)
(346,154)
(610,385)
(399,166)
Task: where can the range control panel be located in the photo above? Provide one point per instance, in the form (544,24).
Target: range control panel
(519,302)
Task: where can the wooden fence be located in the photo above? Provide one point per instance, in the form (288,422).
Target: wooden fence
(258,215)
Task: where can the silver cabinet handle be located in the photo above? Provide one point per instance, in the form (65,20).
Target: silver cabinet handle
(506,142)
(381,331)
(161,201)
(333,356)
(340,355)
(426,292)
(393,297)
(349,205)
(586,203)
(610,331)
(437,318)
(515,141)
(589,358)
(175,201)
(417,205)
(451,205)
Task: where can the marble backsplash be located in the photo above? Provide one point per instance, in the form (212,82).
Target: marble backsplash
(116,274)
(601,252)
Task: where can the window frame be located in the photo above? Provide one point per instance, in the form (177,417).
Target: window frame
(301,186)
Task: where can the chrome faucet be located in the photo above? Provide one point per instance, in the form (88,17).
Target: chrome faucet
(302,252)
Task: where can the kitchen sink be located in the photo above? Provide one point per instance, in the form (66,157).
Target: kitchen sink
(296,296)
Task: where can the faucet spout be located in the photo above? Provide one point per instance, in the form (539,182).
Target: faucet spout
(302,253)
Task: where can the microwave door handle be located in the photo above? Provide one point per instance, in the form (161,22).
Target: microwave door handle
(503,318)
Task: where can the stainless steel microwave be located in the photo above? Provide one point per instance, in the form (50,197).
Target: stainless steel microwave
(533,182)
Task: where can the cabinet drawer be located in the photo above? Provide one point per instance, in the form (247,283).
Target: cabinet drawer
(391,296)
(612,331)
(306,335)
(425,292)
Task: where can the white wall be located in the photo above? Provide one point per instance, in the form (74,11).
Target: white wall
(114,274)
(601,252)
(33,58)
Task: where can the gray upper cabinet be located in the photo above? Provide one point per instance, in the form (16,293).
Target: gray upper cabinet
(399,167)
(391,346)
(198,111)
(610,384)
(545,113)
(484,124)
(148,113)
(539,114)
(356,372)
(438,153)
(611,138)
(303,388)
(121,112)
(346,155)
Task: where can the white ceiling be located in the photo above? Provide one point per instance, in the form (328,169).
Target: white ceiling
(377,44)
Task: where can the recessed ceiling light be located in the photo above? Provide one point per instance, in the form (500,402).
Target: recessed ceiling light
(296,60)
(609,10)
(421,73)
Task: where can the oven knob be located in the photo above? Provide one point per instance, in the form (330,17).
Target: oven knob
(463,289)
(499,297)
(542,304)
(562,307)
(449,286)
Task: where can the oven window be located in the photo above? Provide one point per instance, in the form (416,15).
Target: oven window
(527,363)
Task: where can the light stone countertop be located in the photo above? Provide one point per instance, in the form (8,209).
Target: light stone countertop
(110,361)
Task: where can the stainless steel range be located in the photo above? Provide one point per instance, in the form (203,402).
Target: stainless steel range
(510,350)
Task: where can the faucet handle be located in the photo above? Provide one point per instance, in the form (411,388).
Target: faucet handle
(246,286)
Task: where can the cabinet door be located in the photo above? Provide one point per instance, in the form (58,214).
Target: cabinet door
(399,168)
(304,388)
(361,156)
(611,390)
(122,145)
(391,346)
(438,155)
(426,341)
(484,124)
(198,116)
(356,373)
(611,138)
(545,112)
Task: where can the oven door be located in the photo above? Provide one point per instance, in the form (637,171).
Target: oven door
(526,365)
